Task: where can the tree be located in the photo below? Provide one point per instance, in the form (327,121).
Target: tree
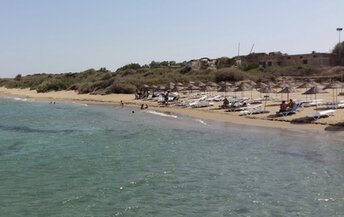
(18,77)
(338,50)
(133,66)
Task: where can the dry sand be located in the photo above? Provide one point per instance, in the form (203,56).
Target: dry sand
(211,113)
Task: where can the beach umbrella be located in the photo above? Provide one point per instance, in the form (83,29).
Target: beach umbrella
(206,88)
(226,89)
(334,86)
(260,85)
(252,83)
(177,88)
(201,84)
(221,83)
(213,84)
(266,89)
(162,87)
(307,85)
(191,87)
(171,85)
(145,86)
(243,87)
(224,85)
(314,91)
(287,90)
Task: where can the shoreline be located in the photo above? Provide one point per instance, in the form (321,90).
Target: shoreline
(128,99)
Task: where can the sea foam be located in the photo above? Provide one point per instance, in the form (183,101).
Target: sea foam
(162,114)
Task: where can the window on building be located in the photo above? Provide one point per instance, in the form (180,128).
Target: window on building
(314,56)
(288,58)
(269,63)
(301,57)
(279,63)
(305,62)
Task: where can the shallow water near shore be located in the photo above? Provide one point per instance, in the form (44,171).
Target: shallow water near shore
(75,160)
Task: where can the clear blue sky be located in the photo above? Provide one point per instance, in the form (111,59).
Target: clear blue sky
(54,36)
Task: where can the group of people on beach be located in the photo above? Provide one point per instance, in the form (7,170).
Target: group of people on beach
(285,106)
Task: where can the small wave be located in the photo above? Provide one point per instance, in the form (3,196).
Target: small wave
(201,121)
(82,104)
(161,114)
(22,99)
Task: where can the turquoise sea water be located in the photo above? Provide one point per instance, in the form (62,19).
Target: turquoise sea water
(76,160)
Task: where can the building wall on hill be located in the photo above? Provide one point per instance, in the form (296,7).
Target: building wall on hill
(278,59)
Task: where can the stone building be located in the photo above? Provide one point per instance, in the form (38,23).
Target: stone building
(278,59)
(203,63)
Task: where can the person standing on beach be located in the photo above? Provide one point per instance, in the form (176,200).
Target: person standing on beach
(166,97)
(122,104)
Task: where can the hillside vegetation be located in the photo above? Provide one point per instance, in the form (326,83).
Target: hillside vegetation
(133,76)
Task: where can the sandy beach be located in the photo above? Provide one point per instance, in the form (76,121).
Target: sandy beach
(269,119)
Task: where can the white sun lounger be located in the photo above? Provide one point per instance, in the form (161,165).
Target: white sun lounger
(319,114)
(252,110)
(335,106)
(308,103)
(201,104)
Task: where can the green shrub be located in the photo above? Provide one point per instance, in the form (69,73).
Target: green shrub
(250,67)
(232,74)
(120,88)
(133,66)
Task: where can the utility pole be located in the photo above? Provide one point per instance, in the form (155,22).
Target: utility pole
(339,31)
(340,51)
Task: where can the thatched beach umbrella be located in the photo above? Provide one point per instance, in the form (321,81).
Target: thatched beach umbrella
(314,91)
(334,86)
(206,88)
(260,85)
(307,85)
(266,89)
(171,85)
(224,85)
(287,90)
(191,87)
(243,87)
(145,86)
(213,84)
(177,88)
(162,88)
(201,84)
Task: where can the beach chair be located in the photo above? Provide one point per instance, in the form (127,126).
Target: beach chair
(313,102)
(201,104)
(289,111)
(253,110)
(335,106)
(319,114)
